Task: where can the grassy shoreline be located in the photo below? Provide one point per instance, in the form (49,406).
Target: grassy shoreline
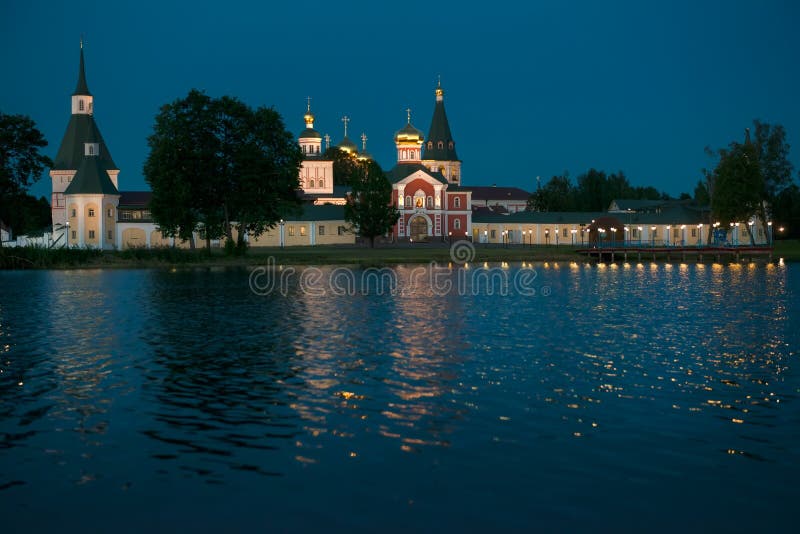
(37,258)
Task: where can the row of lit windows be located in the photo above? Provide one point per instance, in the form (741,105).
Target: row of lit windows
(320,183)
(128,215)
(310,149)
(341,230)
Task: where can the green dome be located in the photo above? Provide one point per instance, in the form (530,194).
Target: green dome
(310,133)
(347,145)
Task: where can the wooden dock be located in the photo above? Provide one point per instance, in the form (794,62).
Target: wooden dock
(698,253)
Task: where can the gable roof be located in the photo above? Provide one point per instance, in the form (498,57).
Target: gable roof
(402,171)
(91,179)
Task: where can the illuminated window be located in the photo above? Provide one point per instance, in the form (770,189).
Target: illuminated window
(291,230)
(91,234)
(321,230)
(302,230)
(91,212)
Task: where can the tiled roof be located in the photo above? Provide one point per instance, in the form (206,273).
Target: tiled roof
(80,130)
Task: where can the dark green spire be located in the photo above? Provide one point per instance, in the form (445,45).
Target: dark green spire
(82,88)
(440,145)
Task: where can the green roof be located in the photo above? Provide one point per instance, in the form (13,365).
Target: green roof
(309,133)
(404,170)
(91,179)
(324,212)
(440,133)
(80,130)
(82,88)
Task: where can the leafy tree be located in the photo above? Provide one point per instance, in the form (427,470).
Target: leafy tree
(345,165)
(216,161)
(265,170)
(21,164)
(786,212)
(369,207)
(558,194)
(178,168)
(738,184)
(701,197)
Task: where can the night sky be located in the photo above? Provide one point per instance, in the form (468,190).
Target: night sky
(531,88)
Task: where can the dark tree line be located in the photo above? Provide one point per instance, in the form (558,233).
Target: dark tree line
(21,165)
(593,191)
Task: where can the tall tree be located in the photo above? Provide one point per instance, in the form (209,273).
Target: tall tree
(369,206)
(265,174)
(21,162)
(179,167)
(738,184)
(558,194)
(216,162)
(345,165)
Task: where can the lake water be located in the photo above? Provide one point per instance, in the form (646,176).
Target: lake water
(545,397)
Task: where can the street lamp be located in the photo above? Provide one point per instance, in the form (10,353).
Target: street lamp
(556,235)
(573,232)
(667,237)
(450,237)
(769,232)
(750,224)
(66,235)
(734,226)
(613,236)
(700,235)
(600,232)
(683,234)
(282,235)
(486,236)
(639,228)
(652,236)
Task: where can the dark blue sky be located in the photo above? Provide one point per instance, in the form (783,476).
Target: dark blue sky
(531,88)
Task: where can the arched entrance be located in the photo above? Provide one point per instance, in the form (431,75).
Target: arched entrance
(418,228)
